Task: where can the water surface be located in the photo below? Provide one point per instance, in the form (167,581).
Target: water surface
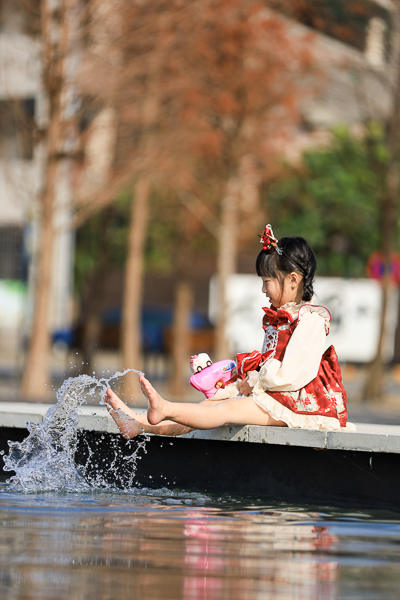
(69,534)
(162,544)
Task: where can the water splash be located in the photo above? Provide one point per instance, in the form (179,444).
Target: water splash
(46,459)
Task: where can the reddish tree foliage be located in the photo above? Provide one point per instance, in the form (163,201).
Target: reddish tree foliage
(207,95)
(198,86)
(225,82)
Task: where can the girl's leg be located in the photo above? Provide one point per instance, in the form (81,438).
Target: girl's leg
(131,423)
(240,411)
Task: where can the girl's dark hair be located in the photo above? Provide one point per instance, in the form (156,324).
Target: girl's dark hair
(272,264)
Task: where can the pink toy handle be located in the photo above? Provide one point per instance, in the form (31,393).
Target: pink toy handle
(207,380)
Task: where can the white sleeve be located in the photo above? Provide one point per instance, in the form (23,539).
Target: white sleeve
(302,358)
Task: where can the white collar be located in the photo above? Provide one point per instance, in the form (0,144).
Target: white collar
(293,309)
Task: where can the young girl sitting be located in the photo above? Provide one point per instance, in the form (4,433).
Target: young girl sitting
(291,382)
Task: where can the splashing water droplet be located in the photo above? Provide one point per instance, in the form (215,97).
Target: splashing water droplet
(45,460)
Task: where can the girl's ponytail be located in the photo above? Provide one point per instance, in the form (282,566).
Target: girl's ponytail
(308,291)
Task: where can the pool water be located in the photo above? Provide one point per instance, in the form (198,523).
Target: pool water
(85,539)
(163,544)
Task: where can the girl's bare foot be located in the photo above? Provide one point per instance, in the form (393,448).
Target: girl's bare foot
(156,411)
(123,416)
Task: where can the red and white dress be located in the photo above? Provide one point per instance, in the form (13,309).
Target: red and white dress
(294,379)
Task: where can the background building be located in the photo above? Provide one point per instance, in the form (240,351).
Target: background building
(23,119)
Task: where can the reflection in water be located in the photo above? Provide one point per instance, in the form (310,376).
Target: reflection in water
(262,553)
(164,545)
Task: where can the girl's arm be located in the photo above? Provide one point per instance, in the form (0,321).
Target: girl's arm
(302,357)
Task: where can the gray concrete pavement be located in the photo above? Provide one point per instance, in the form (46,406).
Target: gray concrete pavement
(366,437)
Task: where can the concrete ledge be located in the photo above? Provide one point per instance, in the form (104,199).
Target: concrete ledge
(367,437)
(18,414)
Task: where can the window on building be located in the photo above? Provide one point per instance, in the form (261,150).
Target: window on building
(20,16)
(345,20)
(17,128)
(12,255)
(31,15)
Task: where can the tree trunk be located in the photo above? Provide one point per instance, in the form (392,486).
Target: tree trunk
(36,375)
(374,385)
(131,310)
(181,337)
(226,266)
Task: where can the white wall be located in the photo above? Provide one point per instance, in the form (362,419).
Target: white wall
(353,303)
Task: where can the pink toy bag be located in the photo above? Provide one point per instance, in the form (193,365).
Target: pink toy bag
(210,378)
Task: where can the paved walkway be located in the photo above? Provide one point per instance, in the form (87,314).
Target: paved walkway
(366,437)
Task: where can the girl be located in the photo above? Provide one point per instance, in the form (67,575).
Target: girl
(292,382)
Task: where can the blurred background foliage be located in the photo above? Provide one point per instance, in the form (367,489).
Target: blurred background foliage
(172,231)
(333,200)
(103,238)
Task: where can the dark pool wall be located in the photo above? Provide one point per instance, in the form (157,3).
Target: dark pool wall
(13,434)
(299,474)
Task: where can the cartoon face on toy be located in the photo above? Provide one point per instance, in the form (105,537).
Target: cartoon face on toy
(211,378)
(198,362)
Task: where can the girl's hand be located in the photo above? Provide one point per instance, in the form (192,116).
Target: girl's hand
(244,388)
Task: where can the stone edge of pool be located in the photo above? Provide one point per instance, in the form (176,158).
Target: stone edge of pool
(367,437)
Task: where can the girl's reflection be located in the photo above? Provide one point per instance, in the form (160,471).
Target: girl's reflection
(267,555)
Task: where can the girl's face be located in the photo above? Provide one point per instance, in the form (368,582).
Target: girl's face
(279,295)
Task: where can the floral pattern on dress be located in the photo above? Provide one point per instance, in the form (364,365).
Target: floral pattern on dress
(325,394)
(301,401)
